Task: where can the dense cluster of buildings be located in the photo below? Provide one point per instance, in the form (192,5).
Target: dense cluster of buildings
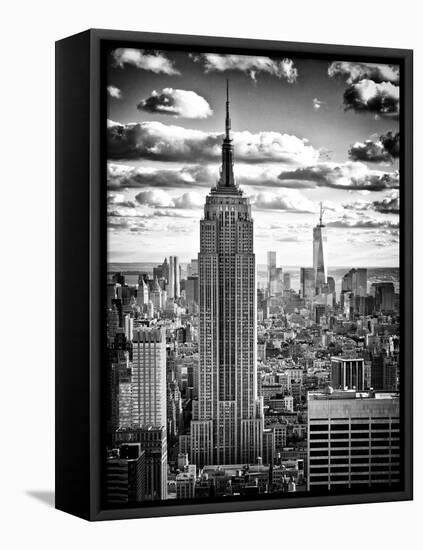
(221,386)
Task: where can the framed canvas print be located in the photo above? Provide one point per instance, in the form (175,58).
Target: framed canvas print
(234,274)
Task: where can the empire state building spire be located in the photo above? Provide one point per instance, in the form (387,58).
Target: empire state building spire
(228,120)
(227,180)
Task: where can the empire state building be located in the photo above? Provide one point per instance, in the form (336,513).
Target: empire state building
(227,425)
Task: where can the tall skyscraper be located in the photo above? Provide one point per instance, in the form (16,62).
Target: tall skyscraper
(177,277)
(287,281)
(320,253)
(307,282)
(142,293)
(227,424)
(171,280)
(149,378)
(174,280)
(271,272)
(355,281)
(384,295)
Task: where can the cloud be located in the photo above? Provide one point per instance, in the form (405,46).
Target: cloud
(391,142)
(281,68)
(154,198)
(189,200)
(388,205)
(372,97)
(350,175)
(118,199)
(177,103)
(354,72)
(126,177)
(155,62)
(317,104)
(384,149)
(290,200)
(157,198)
(115,92)
(120,176)
(362,222)
(117,224)
(156,141)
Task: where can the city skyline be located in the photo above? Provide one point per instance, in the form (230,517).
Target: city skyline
(301,136)
(224,380)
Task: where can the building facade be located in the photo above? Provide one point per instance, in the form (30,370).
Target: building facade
(228,422)
(353,440)
(149,378)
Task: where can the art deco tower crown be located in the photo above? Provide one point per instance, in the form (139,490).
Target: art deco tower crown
(227,180)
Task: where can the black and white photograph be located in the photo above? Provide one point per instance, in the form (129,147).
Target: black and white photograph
(211,258)
(253,309)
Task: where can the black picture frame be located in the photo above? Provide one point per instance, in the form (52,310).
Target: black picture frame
(81,257)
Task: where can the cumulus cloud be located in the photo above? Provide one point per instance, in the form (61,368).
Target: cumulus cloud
(145,215)
(391,143)
(290,200)
(118,199)
(350,175)
(177,103)
(372,97)
(121,176)
(154,198)
(388,205)
(362,222)
(354,72)
(157,141)
(113,91)
(125,177)
(384,149)
(117,224)
(189,200)
(157,198)
(317,104)
(155,62)
(252,65)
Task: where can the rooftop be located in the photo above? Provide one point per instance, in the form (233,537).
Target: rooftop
(331,394)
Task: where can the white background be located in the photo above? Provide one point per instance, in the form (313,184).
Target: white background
(28,32)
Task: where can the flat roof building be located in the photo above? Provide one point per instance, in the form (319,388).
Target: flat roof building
(353,440)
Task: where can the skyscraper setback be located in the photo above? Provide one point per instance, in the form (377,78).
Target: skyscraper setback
(227,424)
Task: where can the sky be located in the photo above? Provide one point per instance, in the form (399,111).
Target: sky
(304,132)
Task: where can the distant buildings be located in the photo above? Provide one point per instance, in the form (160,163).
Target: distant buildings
(221,389)
(271,272)
(384,295)
(286,281)
(185,485)
(349,373)
(320,254)
(307,282)
(355,281)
